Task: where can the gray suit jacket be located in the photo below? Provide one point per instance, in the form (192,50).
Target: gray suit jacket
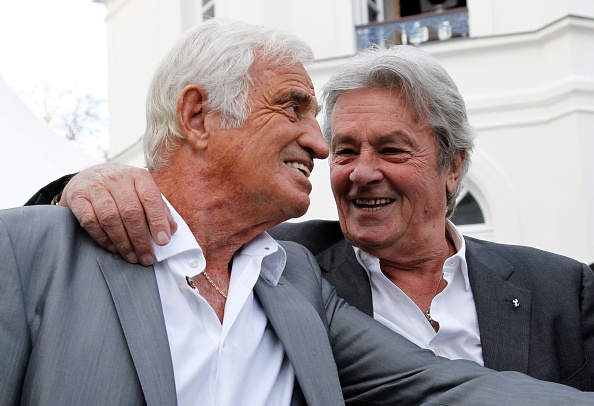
(81,326)
(550,336)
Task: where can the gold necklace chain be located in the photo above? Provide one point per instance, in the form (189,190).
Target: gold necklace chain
(190,282)
(214,284)
(428,311)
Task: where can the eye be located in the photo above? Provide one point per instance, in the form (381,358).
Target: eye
(344,152)
(392,151)
(293,108)
(395,154)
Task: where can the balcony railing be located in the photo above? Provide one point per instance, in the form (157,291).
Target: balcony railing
(415,29)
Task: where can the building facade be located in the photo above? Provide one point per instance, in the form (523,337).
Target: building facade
(525,69)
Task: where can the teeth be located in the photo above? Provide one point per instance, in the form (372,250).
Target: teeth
(301,167)
(372,202)
(370,208)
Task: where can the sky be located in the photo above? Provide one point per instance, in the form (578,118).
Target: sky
(61,43)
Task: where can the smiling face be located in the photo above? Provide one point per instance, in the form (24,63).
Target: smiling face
(389,192)
(269,158)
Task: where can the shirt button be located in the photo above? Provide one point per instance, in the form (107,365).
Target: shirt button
(364,256)
(438,351)
(193,263)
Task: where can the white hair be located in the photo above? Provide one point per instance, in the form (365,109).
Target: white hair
(215,55)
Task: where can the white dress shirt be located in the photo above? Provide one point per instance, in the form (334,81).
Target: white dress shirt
(238,362)
(453,308)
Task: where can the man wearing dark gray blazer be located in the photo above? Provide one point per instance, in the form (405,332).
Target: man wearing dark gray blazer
(398,157)
(547,336)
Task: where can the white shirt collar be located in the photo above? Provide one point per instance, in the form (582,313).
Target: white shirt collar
(263,244)
(366,259)
(460,244)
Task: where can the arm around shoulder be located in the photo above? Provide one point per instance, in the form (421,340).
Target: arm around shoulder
(50,193)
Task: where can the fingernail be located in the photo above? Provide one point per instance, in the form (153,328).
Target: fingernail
(146,260)
(131,257)
(162,238)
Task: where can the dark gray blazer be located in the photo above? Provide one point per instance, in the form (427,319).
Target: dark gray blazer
(550,336)
(80,326)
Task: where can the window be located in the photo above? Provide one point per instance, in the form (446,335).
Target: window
(193,12)
(409,21)
(468,211)
(472,216)
(208,9)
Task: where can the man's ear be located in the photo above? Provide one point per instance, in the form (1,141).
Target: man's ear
(190,114)
(455,171)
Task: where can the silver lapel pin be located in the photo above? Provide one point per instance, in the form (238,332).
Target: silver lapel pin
(516,303)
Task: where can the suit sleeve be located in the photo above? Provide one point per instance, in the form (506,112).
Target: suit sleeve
(15,342)
(377,366)
(46,194)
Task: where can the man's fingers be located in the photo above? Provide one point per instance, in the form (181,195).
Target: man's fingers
(104,200)
(160,224)
(140,205)
(172,223)
(111,221)
(156,211)
(137,231)
(83,210)
(121,207)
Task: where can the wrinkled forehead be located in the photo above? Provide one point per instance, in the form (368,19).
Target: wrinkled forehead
(375,113)
(278,72)
(382,103)
(275,83)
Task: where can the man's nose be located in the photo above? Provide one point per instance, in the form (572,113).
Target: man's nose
(366,170)
(313,141)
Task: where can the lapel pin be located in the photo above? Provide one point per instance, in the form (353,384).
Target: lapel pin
(516,303)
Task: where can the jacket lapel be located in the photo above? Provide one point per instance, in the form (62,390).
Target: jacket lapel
(305,340)
(503,310)
(504,328)
(341,268)
(135,294)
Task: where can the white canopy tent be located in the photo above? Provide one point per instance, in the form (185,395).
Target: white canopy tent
(31,154)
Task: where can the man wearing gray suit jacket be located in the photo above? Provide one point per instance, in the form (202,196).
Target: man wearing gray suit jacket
(401,144)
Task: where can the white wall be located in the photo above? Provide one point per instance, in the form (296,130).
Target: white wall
(531,98)
(501,17)
(139,33)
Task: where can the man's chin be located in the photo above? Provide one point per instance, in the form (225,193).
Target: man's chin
(365,238)
(298,208)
